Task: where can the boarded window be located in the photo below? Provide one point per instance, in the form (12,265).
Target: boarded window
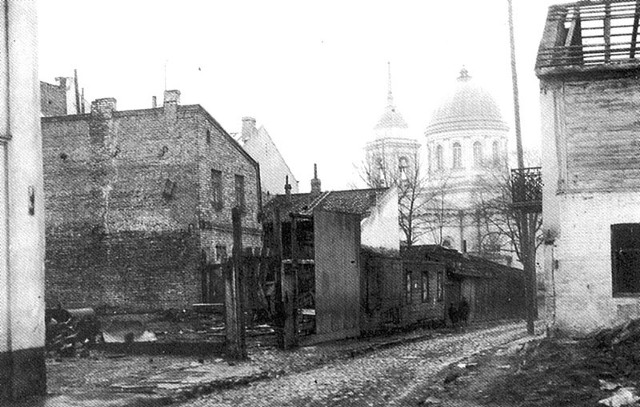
(239,181)
(457,155)
(425,286)
(625,258)
(216,189)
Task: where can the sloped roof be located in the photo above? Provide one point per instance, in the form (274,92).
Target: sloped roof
(359,201)
(391,119)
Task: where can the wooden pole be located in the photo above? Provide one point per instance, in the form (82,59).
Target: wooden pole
(526,243)
(278,304)
(234,302)
(289,293)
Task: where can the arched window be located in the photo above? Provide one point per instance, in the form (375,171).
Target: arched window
(495,151)
(403,166)
(477,154)
(439,157)
(457,155)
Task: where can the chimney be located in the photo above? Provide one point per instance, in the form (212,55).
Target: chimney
(103,107)
(315,182)
(248,129)
(171,97)
(287,188)
(154,102)
(82,106)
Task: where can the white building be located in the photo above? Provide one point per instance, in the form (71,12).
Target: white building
(393,150)
(273,168)
(466,146)
(591,167)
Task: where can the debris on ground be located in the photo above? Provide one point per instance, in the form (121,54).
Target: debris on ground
(70,332)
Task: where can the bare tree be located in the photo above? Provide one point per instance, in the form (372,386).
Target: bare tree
(502,222)
(416,196)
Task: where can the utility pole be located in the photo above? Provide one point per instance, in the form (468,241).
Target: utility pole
(526,243)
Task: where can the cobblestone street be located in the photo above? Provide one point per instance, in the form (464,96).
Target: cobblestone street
(389,377)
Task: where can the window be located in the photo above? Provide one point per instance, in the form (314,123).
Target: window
(495,151)
(439,156)
(216,189)
(407,284)
(457,155)
(625,258)
(440,286)
(403,165)
(240,192)
(208,136)
(425,286)
(221,253)
(477,154)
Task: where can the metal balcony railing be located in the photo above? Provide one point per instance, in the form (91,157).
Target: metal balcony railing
(526,189)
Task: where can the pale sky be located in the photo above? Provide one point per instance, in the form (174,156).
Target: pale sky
(313,73)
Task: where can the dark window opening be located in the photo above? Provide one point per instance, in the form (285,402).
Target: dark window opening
(216,189)
(625,258)
(239,181)
(208,136)
(440,286)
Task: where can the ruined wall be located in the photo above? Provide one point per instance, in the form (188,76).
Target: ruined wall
(591,175)
(53,99)
(126,213)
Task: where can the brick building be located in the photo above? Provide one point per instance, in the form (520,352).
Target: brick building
(138,204)
(589,91)
(63,97)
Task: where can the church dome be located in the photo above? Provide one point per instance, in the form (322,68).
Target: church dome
(469,107)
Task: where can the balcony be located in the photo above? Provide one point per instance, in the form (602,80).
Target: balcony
(526,189)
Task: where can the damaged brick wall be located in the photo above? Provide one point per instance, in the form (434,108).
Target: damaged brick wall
(132,271)
(127,212)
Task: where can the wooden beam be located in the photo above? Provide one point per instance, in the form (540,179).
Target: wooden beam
(234,301)
(634,32)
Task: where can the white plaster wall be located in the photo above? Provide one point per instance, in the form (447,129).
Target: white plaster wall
(273,167)
(582,251)
(380,229)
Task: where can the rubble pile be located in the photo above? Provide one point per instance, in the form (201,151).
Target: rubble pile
(70,333)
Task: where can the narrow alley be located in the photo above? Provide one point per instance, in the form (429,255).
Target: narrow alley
(397,376)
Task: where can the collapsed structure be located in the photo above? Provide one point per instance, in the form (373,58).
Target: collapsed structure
(589,90)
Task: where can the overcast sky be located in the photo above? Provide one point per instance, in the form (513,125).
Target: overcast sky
(313,73)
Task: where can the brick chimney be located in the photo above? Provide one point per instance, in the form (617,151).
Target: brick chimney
(103,108)
(171,97)
(248,129)
(287,188)
(315,182)
(154,102)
